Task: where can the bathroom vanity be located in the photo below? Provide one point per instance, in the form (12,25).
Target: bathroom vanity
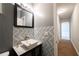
(21,50)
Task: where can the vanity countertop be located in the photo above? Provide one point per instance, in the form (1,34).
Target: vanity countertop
(21,49)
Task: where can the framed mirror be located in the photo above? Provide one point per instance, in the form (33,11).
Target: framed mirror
(23,17)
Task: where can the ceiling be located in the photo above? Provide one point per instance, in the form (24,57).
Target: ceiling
(68,7)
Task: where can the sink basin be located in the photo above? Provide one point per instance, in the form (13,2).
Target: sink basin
(29,43)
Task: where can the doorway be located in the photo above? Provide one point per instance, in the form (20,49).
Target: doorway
(65,30)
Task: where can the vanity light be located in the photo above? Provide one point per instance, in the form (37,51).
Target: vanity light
(35,10)
(1,8)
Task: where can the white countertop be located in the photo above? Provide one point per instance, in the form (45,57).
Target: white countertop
(20,50)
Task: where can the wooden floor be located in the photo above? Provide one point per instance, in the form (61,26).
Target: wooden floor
(65,48)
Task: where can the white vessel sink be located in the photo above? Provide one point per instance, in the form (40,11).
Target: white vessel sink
(29,43)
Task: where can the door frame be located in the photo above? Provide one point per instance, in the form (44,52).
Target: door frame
(56,38)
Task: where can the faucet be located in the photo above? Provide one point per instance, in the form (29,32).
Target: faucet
(26,37)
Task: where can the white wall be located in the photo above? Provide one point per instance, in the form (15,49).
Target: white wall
(58,23)
(75,28)
(43,13)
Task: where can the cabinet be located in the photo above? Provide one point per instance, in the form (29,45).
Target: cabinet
(35,51)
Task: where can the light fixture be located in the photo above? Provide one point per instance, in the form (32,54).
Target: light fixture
(34,9)
(28,6)
(61,10)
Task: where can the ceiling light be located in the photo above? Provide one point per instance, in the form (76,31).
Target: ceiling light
(60,11)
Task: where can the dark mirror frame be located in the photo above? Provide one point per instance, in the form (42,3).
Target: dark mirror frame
(15,17)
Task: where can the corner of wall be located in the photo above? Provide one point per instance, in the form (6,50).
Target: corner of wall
(75,47)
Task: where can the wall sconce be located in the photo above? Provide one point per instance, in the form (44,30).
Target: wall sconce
(1,8)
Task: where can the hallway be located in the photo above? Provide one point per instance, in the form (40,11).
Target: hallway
(65,48)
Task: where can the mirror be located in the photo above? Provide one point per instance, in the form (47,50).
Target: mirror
(23,17)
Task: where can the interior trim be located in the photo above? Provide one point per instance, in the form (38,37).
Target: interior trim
(75,47)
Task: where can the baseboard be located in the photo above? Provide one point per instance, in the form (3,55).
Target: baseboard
(75,47)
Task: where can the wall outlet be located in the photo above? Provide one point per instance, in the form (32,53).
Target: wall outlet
(46,34)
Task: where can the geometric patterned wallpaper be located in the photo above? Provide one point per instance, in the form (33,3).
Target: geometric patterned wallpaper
(43,34)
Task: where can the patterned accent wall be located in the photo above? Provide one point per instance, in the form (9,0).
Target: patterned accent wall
(20,33)
(45,35)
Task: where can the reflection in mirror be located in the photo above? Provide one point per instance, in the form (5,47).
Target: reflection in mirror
(23,17)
